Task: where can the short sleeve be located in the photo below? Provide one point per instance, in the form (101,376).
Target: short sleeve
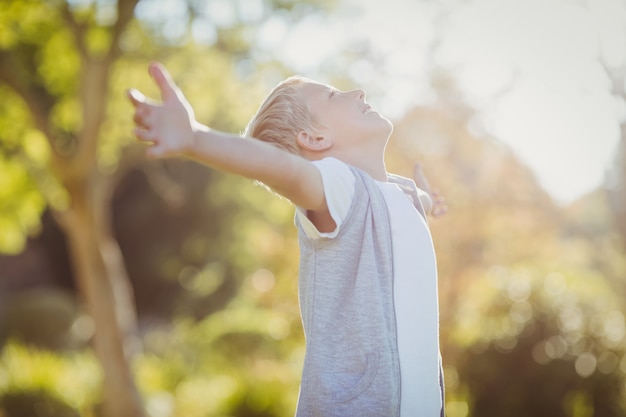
(425,199)
(338,180)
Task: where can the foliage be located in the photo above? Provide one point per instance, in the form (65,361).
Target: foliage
(44,62)
(241,361)
(551,332)
(61,60)
(24,155)
(47,318)
(531,294)
(72,379)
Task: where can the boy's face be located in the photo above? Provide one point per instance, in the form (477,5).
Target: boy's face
(345,116)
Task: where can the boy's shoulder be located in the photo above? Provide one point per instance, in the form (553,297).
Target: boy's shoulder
(401,181)
(411,189)
(335,169)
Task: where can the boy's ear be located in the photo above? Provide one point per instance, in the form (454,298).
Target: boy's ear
(313,143)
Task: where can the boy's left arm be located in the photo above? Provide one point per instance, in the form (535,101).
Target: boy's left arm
(434,204)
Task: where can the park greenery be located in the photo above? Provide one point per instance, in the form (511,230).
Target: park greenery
(131,287)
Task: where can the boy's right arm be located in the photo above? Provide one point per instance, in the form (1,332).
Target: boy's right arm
(171,130)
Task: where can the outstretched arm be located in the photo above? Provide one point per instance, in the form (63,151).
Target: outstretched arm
(435,205)
(171,130)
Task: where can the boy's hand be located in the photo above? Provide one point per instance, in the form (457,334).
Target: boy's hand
(438,207)
(168,126)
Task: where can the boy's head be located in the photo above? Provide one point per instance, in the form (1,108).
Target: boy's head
(309,118)
(282,115)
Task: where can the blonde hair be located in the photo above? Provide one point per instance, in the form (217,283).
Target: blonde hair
(282,115)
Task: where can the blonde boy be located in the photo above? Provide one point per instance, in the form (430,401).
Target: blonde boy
(368,280)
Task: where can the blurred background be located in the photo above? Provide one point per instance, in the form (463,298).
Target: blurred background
(131,287)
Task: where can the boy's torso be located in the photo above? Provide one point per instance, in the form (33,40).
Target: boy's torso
(347,301)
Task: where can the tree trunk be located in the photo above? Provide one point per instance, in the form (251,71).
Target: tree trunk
(98,265)
(103,283)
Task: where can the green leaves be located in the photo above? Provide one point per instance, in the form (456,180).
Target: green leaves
(24,154)
(20,206)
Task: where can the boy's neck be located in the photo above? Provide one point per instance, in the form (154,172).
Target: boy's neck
(374,166)
(369,156)
(370,159)
(377,171)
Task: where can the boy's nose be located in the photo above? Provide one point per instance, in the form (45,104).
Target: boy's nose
(360,94)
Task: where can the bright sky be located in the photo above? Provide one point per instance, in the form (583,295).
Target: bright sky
(558,114)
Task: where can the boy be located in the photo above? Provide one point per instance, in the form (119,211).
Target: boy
(368,279)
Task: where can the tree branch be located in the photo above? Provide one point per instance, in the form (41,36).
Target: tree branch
(164,186)
(95,86)
(125,12)
(37,98)
(78,29)
(131,156)
(171,192)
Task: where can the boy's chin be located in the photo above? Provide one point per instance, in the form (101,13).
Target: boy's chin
(388,125)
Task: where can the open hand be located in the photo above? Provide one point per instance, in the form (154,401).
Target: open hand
(167,126)
(438,207)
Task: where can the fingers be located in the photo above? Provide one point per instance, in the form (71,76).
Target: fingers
(439,211)
(420,178)
(136,97)
(145,135)
(148,115)
(155,152)
(163,80)
(417,170)
(139,118)
(145,111)
(155,149)
(138,101)
(439,205)
(144,116)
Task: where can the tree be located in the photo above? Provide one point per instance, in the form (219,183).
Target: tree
(52,82)
(63,145)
